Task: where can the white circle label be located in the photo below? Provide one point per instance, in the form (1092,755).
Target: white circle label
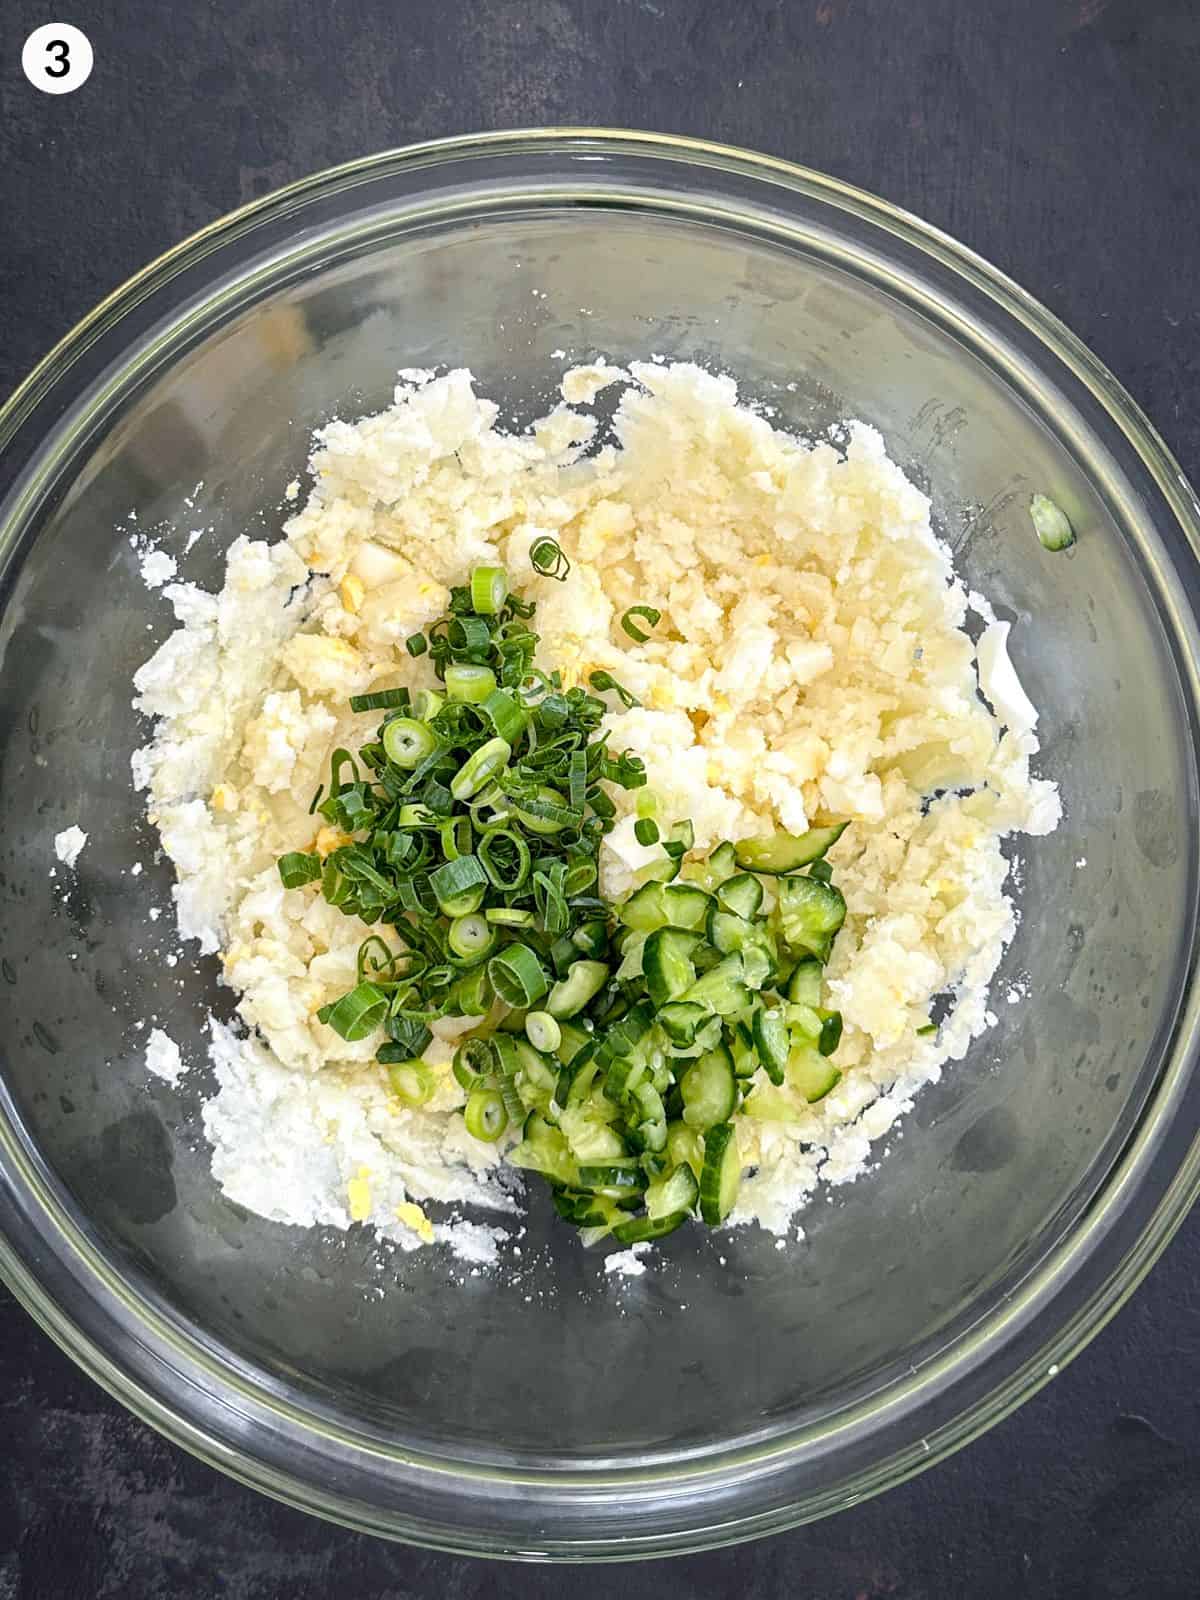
(57,58)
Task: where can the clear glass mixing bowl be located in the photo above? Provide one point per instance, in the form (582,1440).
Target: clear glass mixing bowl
(563,1414)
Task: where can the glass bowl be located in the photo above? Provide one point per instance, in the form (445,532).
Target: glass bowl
(739,1387)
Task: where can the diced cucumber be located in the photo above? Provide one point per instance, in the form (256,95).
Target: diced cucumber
(757,964)
(721,1176)
(644,909)
(650,1131)
(786,852)
(722,862)
(742,895)
(810,914)
(590,1210)
(810,1073)
(545,1150)
(769,1104)
(741,1047)
(804,1020)
(664,870)
(709,1089)
(771,1041)
(583,982)
(722,990)
(728,932)
(804,985)
(667,964)
(611,1175)
(587,1137)
(831,1032)
(623,1037)
(685,906)
(677,1191)
(680,1020)
(572,1040)
(708,1037)
(638,1230)
(685,1146)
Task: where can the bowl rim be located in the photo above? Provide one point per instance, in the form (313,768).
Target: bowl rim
(1033,1295)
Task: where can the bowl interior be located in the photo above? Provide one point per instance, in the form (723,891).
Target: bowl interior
(727,1336)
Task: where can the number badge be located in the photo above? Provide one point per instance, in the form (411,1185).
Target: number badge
(57,58)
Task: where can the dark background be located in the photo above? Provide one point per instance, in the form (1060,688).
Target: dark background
(1057,137)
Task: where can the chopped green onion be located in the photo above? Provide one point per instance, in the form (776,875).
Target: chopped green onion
(1050,523)
(545,812)
(506,858)
(638,634)
(542,1031)
(408,742)
(413,1082)
(645,830)
(455,835)
(480,768)
(471,936)
(380,700)
(459,885)
(924,1032)
(297,868)
(485,1116)
(356,1014)
(601,680)
(489,589)
(507,716)
(426,703)
(510,917)
(474,1060)
(517,977)
(469,684)
(548,559)
(416,644)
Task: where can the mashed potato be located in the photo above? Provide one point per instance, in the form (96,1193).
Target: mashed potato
(811,665)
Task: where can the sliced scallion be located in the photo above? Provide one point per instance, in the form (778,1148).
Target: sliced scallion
(633,629)
(408,742)
(489,586)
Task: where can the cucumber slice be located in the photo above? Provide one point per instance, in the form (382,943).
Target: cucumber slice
(681,1019)
(545,1150)
(685,906)
(709,1089)
(721,1176)
(618,1175)
(650,1132)
(583,982)
(667,964)
(590,1210)
(685,1146)
(742,895)
(810,1074)
(728,932)
(722,990)
(831,1032)
(722,862)
(786,852)
(757,964)
(741,1047)
(804,1020)
(677,1191)
(644,910)
(804,985)
(771,1040)
(810,914)
(637,1230)
(588,1138)
(661,871)
(571,1041)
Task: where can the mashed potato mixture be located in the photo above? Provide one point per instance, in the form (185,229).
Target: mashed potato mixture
(811,667)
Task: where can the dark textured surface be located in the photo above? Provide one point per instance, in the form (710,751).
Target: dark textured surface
(1057,137)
